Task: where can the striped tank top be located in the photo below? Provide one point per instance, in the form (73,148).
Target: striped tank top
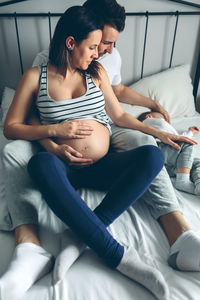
(89,106)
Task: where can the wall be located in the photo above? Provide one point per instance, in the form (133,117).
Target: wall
(34,37)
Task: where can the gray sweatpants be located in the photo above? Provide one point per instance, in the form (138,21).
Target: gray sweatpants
(22,196)
(24,199)
(160,197)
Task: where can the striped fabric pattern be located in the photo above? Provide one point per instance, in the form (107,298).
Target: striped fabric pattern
(89,106)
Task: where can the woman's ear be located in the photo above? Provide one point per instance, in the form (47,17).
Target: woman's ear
(70,43)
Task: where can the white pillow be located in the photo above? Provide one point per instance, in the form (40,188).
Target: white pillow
(171,88)
(7,98)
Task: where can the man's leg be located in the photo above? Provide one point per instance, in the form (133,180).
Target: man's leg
(123,139)
(26,233)
(22,197)
(163,204)
(30,261)
(160,197)
(174,225)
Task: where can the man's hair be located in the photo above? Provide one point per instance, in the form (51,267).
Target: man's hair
(110,11)
(142,117)
(78,22)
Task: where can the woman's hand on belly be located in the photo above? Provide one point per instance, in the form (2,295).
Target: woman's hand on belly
(71,156)
(92,147)
(75,129)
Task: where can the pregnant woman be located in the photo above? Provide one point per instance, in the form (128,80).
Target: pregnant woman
(73,98)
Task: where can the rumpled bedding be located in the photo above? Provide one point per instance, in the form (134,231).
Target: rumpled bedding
(89,278)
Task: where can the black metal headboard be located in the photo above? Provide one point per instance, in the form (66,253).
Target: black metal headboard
(146,14)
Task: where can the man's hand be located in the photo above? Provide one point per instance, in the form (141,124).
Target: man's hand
(170,139)
(161,110)
(75,129)
(71,156)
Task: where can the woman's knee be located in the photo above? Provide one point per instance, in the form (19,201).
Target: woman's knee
(41,162)
(151,157)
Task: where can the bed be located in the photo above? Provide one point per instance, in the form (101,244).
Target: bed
(88,278)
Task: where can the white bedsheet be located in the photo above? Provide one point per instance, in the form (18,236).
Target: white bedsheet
(89,278)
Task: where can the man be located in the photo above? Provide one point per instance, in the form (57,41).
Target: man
(163,205)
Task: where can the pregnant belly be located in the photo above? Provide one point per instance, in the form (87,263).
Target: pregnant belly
(94,146)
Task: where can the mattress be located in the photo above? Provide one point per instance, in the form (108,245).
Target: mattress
(89,278)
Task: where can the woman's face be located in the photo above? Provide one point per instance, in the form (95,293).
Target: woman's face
(83,53)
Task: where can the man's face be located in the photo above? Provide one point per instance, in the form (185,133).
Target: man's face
(109,37)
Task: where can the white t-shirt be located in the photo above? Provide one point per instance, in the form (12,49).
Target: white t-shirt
(163,125)
(111,63)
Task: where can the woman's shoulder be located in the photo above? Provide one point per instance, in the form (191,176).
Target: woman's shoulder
(31,74)
(31,78)
(103,75)
(101,70)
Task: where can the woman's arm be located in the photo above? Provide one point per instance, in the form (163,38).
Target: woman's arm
(123,119)
(15,126)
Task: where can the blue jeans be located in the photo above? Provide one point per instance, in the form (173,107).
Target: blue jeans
(125,175)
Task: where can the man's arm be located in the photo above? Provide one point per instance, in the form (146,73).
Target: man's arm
(130,96)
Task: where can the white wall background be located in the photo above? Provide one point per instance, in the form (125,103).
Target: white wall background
(34,37)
